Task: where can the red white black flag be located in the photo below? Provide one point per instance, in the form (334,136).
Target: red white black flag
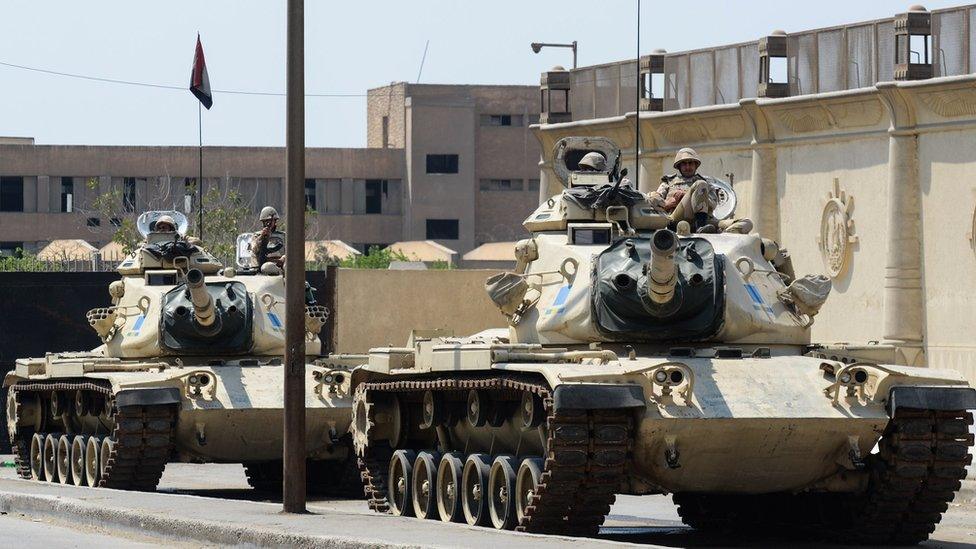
(199,81)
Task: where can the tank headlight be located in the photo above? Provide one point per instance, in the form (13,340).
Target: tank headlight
(194,380)
(660,376)
(677,377)
(203,379)
(860,376)
(845,378)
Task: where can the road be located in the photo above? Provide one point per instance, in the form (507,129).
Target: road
(643,520)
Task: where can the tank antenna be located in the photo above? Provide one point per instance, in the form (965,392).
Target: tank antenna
(637,143)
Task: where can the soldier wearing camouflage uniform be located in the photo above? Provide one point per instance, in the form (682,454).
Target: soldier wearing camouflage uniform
(687,196)
(263,247)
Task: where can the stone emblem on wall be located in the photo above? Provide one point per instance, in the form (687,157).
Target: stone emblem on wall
(836,231)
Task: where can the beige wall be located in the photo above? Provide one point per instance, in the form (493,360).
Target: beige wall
(850,136)
(378,308)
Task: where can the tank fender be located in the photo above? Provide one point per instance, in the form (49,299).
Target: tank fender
(148,397)
(589,396)
(932,398)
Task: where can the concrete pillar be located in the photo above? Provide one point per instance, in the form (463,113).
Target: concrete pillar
(903,299)
(44,195)
(764,208)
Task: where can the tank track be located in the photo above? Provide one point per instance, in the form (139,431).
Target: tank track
(20,445)
(143,437)
(923,455)
(586,456)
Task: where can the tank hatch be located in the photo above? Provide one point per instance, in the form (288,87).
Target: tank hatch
(206,318)
(658,289)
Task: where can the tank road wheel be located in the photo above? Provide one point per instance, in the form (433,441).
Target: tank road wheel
(93,469)
(64,459)
(449,487)
(108,446)
(400,483)
(529,476)
(37,456)
(474,489)
(477,408)
(51,457)
(78,445)
(425,484)
(57,404)
(501,492)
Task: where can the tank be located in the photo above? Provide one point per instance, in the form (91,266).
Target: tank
(641,361)
(190,369)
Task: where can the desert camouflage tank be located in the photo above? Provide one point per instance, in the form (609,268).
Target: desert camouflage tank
(640,361)
(190,369)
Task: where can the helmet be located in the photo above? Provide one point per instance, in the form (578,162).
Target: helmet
(165,219)
(268,213)
(594,161)
(686,154)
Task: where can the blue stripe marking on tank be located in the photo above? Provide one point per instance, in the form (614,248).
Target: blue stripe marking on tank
(758,303)
(275,321)
(138,324)
(561,296)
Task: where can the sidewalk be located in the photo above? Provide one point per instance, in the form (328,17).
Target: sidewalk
(236,522)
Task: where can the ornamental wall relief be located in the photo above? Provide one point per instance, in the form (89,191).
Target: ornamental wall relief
(836,236)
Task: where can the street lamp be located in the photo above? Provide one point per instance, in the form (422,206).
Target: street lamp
(537,47)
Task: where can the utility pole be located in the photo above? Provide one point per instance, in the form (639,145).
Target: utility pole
(293,458)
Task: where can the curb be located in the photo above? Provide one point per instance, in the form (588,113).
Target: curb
(202,531)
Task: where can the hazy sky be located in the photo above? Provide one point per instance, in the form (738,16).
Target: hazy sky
(350,47)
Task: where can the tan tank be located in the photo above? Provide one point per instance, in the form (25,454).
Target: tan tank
(638,361)
(189,370)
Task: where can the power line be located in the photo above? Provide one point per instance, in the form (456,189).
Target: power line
(166,86)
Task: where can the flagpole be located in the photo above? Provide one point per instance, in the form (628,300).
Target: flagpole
(200,180)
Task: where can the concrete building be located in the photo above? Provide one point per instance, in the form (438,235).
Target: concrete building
(453,164)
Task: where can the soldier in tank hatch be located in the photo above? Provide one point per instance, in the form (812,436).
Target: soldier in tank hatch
(688,196)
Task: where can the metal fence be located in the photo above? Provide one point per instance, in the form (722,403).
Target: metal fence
(837,58)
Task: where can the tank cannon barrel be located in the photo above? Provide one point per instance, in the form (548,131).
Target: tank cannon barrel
(662,275)
(203,305)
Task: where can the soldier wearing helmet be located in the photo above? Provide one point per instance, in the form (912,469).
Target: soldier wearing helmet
(688,196)
(165,224)
(268,244)
(593,162)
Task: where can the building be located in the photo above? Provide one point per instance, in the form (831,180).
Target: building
(449,163)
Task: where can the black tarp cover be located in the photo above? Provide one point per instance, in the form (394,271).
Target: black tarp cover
(620,312)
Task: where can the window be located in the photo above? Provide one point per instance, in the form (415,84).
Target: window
(442,229)
(375,188)
(501,120)
(129,194)
(67,194)
(94,222)
(11,194)
(310,194)
(533,185)
(189,188)
(442,163)
(11,249)
(501,184)
(116,222)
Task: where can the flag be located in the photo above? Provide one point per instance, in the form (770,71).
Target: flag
(199,81)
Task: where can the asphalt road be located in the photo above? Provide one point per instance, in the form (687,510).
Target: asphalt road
(649,520)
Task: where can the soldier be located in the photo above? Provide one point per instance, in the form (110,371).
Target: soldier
(688,196)
(592,162)
(263,247)
(165,224)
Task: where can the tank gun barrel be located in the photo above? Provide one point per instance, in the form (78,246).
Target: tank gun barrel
(203,305)
(662,275)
